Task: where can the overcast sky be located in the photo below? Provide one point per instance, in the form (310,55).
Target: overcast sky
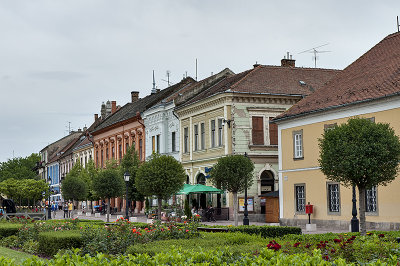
(59,60)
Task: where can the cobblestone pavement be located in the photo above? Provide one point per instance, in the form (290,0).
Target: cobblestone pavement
(142,218)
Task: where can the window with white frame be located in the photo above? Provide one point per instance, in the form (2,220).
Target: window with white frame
(298,152)
(220,142)
(186,140)
(212,133)
(333,197)
(370,200)
(300,197)
(196,137)
(203,136)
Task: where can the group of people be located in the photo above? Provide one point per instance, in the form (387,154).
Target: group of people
(208,213)
(67,207)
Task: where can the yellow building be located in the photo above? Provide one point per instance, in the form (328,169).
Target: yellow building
(369,88)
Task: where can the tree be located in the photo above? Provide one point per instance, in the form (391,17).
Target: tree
(109,184)
(161,176)
(26,189)
(360,153)
(20,168)
(130,163)
(74,186)
(233,173)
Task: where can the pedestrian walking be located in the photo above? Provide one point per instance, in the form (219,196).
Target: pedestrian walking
(65,207)
(53,209)
(70,208)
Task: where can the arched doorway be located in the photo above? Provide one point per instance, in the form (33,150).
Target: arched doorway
(202,198)
(267,183)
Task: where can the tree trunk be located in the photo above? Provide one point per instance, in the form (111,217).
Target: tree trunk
(159,203)
(235,208)
(108,210)
(361,200)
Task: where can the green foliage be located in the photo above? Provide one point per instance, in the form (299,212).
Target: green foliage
(360,152)
(265,230)
(91,173)
(9,229)
(109,183)
(75,184)
(130,163)
(161,176)
(9,241)
(27,189)
(31,247)
(233,173)
(51,242)
(19,168)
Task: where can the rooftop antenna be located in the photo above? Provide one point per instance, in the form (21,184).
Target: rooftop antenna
(315,52)
(196,69)
(154,90)
(168,73)
(398,25)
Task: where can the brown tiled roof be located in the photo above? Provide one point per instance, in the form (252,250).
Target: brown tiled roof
(374,75)
(130,110)
(275,80)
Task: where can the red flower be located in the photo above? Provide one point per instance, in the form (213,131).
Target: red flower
(337,240)
(308,245)
(296,244)
(274,245)
(381,235)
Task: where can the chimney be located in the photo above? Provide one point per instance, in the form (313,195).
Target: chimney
(96,116)
(158,90)
(84,128)
(256,65)
(108,108)
(288,61)
(113,106)
(135,96)
(103,110)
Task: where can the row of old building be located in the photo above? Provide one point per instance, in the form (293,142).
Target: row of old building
(275,114)
(196,122)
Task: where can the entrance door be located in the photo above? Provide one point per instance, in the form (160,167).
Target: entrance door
(272,210)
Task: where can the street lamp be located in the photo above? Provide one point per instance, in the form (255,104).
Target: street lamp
(48,204)
(246,213)
(354,221)
(126,177)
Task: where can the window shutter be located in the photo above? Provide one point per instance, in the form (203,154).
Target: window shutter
(258,130)
(273,132)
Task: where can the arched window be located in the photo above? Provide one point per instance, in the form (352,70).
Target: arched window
(201,179)
(267,181)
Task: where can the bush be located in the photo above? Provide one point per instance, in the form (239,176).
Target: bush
(31,247)
(9,229)
(9,241)
(236,243)
(51,242)
(265,230)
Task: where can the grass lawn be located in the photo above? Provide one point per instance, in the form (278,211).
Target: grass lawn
(18,256)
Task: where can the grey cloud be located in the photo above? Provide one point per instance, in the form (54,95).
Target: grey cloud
(58,75)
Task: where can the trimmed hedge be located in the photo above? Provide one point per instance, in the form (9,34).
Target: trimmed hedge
(51,242)
(9,229)
(263,230)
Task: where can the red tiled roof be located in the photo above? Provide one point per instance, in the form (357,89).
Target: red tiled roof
(374,75)
(276,80)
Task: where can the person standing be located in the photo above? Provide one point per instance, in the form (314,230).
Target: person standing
(53,209)
(70,208)
(65,207)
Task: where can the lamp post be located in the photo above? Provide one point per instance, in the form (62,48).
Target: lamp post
(48,203)
(246,213)
(354,221)
(126,177)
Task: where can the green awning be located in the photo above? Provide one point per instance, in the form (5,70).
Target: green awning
(199,189)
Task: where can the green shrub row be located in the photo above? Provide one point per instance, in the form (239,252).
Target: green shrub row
(51,242)
(9,229)
(177,257)
(263,230)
